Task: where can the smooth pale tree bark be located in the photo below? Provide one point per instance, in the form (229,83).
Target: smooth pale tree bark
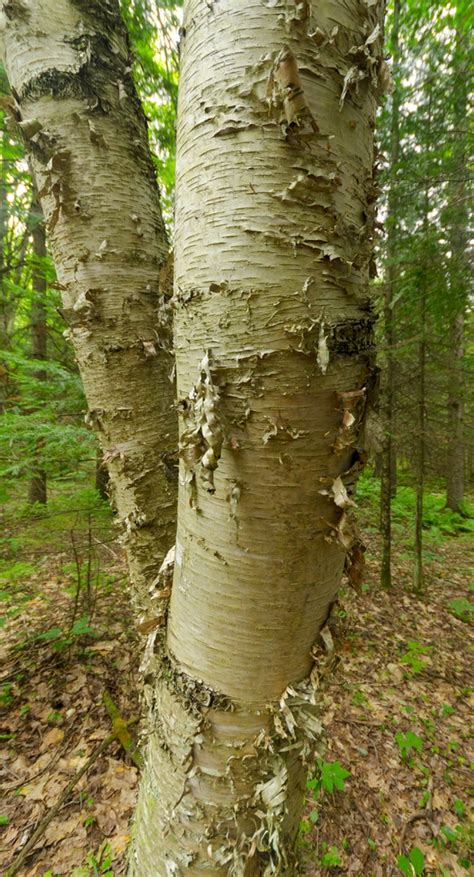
(69,67)
(37,488)
(388,454)
(274,346)
(459,274)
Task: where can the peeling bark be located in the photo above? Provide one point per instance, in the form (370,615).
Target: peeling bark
(275,370)
(68,64)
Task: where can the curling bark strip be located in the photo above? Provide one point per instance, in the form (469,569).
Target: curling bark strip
(73,97)
(274,344)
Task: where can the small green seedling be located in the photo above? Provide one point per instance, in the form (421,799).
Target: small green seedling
(332,858)
(331,776)
(414,865)
(408,743)
(462,609)
(413,656)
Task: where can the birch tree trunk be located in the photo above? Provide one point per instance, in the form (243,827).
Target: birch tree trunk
(274,345)
(68,63)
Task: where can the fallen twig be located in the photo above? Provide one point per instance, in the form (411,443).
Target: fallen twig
(120,726)
(352,721)
(121,733)
(43,770)
(18,862)
(103,545)
(423,813)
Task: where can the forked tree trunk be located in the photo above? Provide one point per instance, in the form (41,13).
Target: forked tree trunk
(274,344)
(69,67)
(388,480)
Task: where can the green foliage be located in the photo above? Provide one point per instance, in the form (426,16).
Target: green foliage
(358,698)
(426,135)
(446,710)
(43,425)
(462,608)
(332,858)
(6,695)
(408,743)
(41,399)
(412,657)
(97,864)
(330,777)
(459,840)
(15,573)
(438,521)
(414,865)
(153,26)
(71,522)
(61,638)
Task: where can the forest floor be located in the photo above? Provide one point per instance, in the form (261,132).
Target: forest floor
(396,713)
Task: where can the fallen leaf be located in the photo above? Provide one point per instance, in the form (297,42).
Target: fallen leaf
(52,738)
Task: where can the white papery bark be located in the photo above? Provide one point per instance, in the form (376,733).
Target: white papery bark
(274,344)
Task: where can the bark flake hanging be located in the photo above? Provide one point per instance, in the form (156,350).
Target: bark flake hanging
(285,93)
(203,435)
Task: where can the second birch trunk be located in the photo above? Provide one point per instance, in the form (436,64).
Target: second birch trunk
(69,66)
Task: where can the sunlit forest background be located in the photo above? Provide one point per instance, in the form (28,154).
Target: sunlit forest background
(392,798)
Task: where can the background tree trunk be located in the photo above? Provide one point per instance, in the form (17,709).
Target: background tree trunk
(388,480)
(420,437)
(459,273)
(420,445)
(69,66)
(37,488)
(456,453)
(274,345)
(4,312)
